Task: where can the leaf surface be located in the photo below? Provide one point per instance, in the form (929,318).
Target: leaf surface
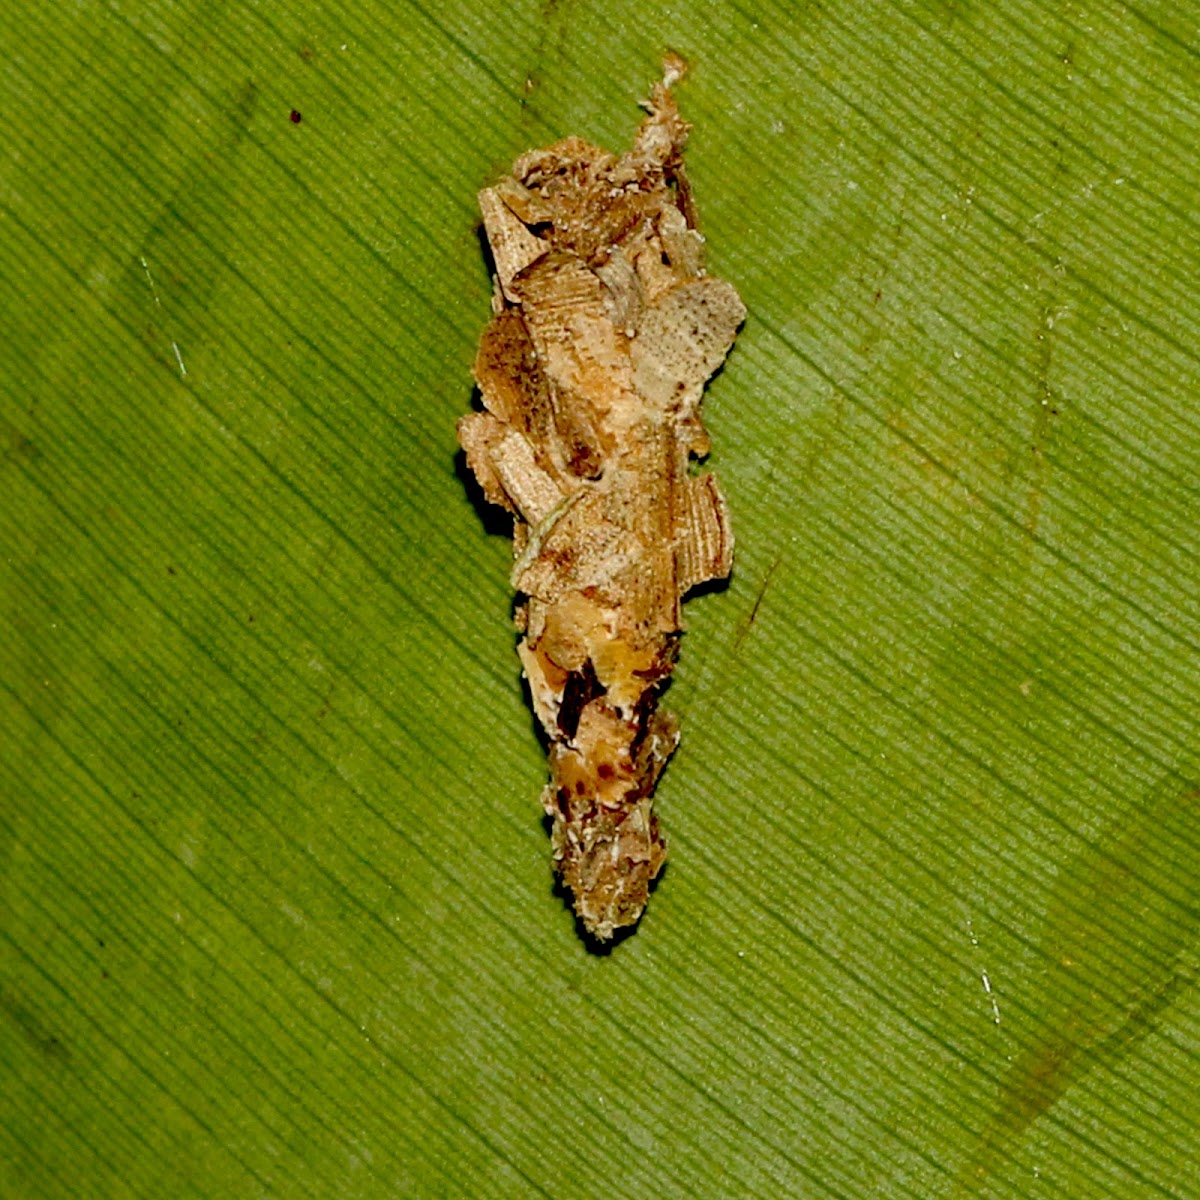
(277,915)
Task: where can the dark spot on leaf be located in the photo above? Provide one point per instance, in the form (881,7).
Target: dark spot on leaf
(294,116)
(32,1027)
(22,447)
(247,100)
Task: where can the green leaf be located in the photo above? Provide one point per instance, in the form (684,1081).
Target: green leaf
(277,915)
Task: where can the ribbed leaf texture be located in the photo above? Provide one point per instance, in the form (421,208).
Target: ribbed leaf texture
(277,915)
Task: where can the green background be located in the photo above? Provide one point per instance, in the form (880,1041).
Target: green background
(277,914)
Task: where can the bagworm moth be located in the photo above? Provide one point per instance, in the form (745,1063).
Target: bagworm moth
(605,330)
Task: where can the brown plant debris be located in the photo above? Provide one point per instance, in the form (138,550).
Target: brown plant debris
(605,330)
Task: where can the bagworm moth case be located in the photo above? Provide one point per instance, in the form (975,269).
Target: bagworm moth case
(606,329)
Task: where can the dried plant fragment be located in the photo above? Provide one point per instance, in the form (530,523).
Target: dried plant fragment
(605,331)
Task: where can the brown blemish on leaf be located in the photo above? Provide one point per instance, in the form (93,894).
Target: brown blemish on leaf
(1045,413)
(1121,941)
(21,448)
(748,622)
(605,330)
